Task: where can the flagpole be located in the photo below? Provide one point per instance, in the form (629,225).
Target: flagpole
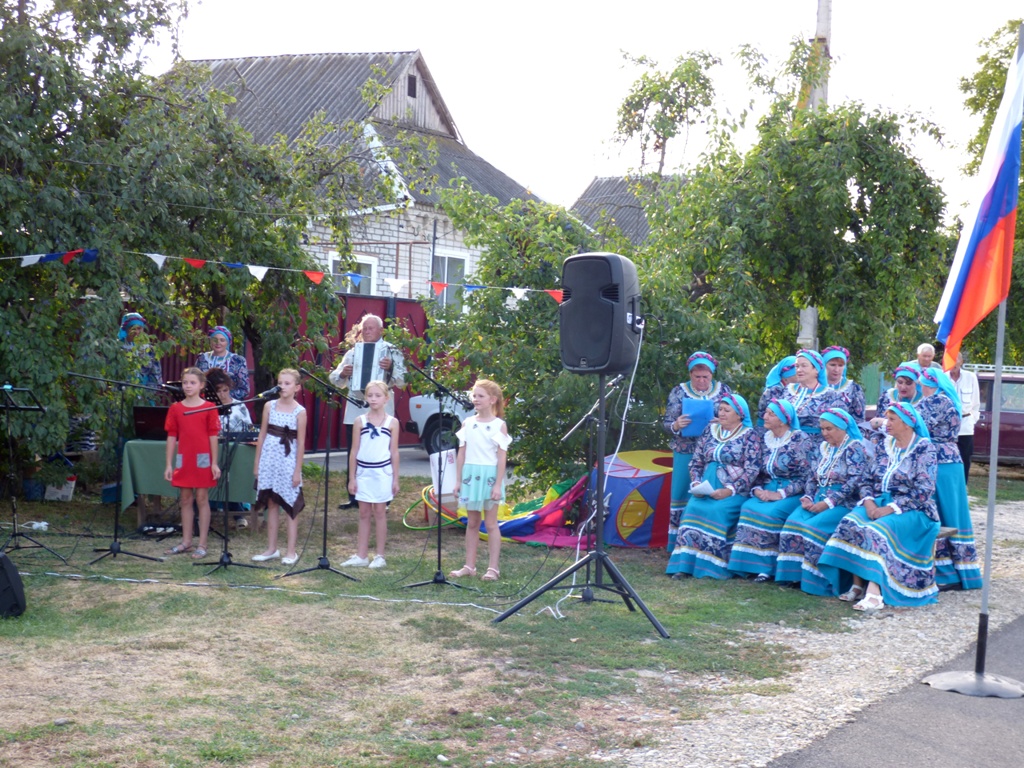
(980,683)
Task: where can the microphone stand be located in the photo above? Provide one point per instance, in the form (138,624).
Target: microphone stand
(440,391)
(115,546)
(228,441)
(324,563)
(11,403)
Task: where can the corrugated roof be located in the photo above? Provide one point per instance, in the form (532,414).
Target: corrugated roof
(611,199)
(279,94)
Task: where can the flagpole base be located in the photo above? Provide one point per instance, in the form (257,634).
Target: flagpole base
(974,684)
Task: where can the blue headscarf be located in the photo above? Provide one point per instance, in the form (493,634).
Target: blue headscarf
(223,332)
(128,321)
(814,359)
(834,352)
(738,404)
(843,420)
(908,413)
(936,379)
(701,358)
(785,411)
(783,369)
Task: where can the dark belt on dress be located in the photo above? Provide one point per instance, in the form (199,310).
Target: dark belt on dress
(287,435)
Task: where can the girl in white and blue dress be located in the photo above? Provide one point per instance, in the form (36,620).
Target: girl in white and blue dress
(956,557)
(480,475)
(728,457)
(373,472)
(851,394)
(841,463)
(785,472)
(810,394)
(701,386)
(279,453)
(887,543)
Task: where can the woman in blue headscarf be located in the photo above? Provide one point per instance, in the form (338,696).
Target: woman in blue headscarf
(956,558)
(785,470)
(701,386)
(810,394)
(728,457)
(887,544)
(851,394)
(221,356)
(905,389)
(132,337)
(783,374)
(842,461)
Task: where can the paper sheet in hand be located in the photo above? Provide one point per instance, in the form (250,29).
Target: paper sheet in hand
(703,488)
(701,412)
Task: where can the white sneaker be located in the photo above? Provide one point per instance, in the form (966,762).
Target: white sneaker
(378,562)
(355,562)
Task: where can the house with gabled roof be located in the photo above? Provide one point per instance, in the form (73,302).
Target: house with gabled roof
(414,241)
(613,200)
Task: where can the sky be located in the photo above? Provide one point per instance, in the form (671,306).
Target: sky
(534,85)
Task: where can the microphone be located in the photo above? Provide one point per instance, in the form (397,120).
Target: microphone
(615,381)
(271,394)
(173,388)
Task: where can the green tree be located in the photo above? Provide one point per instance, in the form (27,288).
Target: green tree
(983,92)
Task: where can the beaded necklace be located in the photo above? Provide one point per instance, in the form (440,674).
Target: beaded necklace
(830,457)
(896,456)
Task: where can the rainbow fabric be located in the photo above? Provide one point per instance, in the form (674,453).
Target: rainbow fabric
(980,276)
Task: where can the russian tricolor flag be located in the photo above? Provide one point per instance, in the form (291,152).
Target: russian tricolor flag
(980,276)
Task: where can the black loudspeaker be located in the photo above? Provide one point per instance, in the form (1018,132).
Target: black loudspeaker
(12,594)
(600,327)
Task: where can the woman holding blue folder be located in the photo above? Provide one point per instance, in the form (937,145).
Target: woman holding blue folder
(691,407)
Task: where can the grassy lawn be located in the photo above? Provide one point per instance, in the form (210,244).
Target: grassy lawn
(136,663)
(1009,484)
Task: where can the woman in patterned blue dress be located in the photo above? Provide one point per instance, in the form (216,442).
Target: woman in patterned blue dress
(842,461)
(779,377)
(905,389)
(221,356)
(888,542)
(728,456)
(956,558)
(851,394)
(785,471)
(810,394)
(701,386)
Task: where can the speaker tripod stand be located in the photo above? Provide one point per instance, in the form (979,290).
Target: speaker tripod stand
(19,400)
(596,557)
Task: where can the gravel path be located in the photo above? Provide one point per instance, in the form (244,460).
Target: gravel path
(842,674)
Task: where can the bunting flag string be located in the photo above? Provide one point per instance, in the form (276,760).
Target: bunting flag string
(396,285)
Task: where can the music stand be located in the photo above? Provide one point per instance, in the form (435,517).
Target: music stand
(115,546)
(229,442)
(597,555)
(19,400)
(441,391)
(324,563)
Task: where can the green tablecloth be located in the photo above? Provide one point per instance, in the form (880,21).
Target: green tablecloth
(143,472)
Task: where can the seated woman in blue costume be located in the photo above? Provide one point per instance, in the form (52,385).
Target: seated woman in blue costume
(956,558)
(779,377)
(842,461)
(701,386)
(810,394)
(905,389)
(851,394)
(785,471)
(728,456)
(887,544)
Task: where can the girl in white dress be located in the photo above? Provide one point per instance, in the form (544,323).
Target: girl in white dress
(480,475)
(373,472)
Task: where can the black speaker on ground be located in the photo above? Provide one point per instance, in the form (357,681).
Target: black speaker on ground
(598,320)
(12,594)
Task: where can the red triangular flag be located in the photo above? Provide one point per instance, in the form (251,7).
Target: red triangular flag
(555,294)
(438,288)
(67,257)
(197,263)
(316,277)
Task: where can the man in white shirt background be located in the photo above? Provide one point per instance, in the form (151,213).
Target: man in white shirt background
(970,397)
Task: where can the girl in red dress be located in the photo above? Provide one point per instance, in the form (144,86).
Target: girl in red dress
(196,470)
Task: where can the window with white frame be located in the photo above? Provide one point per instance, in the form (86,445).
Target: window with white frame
(448,269)
(364,266)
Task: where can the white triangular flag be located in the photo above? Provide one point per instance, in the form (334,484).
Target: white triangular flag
(158,259)
(258,272)
(518,293)
(28,261)
(395,284)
